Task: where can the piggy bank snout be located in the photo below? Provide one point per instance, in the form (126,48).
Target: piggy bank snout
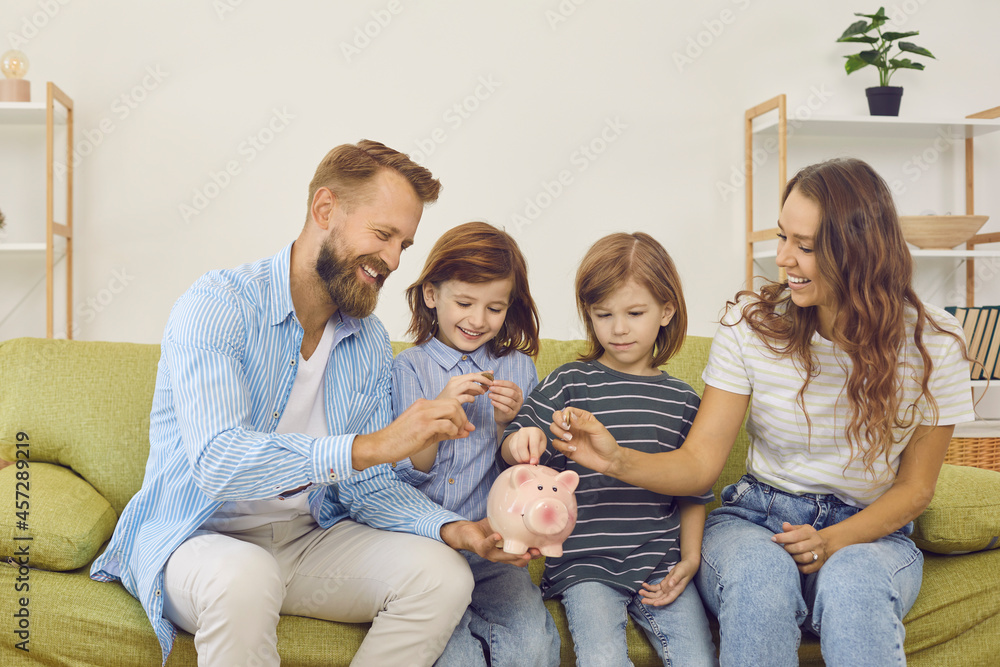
(546,517)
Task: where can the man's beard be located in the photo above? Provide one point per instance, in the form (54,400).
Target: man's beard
(349,293)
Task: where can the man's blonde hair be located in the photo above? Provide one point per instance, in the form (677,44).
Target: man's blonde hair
(349,169)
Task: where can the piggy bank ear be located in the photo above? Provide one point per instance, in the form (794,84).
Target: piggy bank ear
(522,473)
(568,479)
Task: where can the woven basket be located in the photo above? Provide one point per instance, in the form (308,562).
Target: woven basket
(974,452)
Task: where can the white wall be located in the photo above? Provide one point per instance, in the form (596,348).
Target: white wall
(499,98)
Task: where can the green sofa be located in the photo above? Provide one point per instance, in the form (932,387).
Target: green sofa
(82,412)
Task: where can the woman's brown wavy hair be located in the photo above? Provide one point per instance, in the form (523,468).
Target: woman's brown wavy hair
(613,261)
(477,252)
(863,260)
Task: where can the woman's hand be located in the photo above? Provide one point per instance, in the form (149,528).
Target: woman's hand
(469,385)
(667,590)
(806,545)
(507,399)
(582,438)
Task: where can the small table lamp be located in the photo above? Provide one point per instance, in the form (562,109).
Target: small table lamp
(14,88)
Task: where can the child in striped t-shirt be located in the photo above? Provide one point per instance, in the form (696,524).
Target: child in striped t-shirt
(633,552)
(473,314)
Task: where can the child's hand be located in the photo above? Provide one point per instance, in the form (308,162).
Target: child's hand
(667,590)
(470,384)
(527,445)
(507,399)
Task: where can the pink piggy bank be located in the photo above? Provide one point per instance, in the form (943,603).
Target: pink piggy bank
(533,506)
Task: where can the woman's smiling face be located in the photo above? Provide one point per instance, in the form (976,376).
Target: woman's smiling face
(799,223)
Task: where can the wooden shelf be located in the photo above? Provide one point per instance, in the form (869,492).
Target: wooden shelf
(28,113)
(56,110)
(916,252)
(30,248)
(880,126)
(22,247)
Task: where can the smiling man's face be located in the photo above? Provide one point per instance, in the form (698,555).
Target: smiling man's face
(365,243)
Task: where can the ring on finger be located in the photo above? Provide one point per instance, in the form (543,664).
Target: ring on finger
(815,556)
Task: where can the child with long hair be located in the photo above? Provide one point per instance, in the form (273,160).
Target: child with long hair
(633,552)
(476,329)
(853,387)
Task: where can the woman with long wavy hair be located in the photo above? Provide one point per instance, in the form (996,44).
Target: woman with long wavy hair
(853,388)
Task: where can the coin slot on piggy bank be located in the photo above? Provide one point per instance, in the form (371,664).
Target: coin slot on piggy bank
(533,506)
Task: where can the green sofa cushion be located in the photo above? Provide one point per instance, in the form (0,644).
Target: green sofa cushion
(66,518)
(964,515)
(99,426)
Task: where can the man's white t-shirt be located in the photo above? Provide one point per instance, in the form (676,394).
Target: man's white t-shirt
(304,413)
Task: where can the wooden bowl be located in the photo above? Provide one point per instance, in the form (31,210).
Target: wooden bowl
(940,232)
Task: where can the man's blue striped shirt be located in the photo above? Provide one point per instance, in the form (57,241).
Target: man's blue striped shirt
(227,364)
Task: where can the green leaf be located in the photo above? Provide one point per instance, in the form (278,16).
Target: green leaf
(870,57)
(858,28)
(877,16)
(867,39)
(854,63)
(905,63)
(913,48)
(893,36)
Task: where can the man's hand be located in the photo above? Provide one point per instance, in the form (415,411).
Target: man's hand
(582,438)
(419,426)
(480,538)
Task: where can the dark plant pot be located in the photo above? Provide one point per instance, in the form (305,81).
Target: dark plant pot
(884,100)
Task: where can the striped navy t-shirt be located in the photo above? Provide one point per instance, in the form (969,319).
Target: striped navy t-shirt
(624,535)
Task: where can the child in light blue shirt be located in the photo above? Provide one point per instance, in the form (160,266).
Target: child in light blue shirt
(475,325)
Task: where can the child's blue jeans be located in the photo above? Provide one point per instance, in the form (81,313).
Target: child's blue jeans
(506,625)
(597,614)
(855,603)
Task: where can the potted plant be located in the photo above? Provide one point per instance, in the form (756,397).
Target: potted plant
(883,100)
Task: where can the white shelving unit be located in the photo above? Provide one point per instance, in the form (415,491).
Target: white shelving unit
(56,110)
(957,254)
(759,121)
(861,127)
(21,247)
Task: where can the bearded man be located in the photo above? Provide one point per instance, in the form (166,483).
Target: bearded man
(267,489)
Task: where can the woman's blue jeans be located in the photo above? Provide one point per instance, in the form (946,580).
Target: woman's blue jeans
(597,613)
(855,603)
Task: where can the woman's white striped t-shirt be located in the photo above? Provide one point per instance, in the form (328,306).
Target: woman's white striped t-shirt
(784,452)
